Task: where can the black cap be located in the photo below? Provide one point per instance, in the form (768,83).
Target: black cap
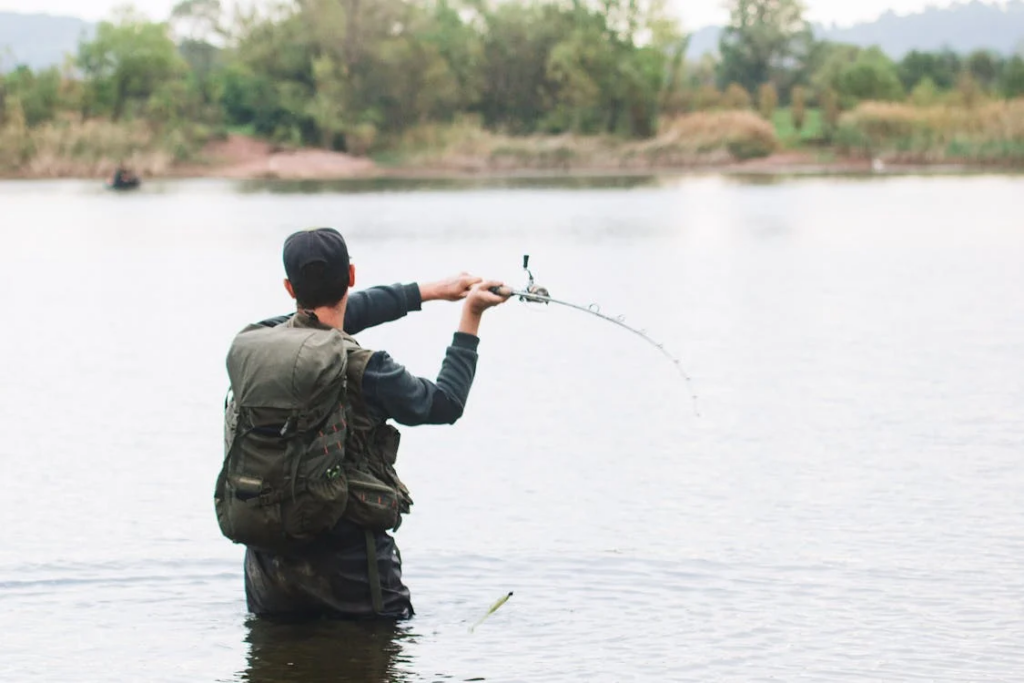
(320,245)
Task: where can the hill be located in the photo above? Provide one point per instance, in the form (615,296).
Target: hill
(963,27)
(38,40)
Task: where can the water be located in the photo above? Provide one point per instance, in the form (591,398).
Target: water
(847,507)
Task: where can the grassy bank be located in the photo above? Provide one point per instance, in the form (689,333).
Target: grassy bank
(704,139)
(812,131)
(989,133)
(90,149)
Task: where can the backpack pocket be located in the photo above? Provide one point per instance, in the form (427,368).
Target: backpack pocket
(245,517)
(372,504)
(317,508)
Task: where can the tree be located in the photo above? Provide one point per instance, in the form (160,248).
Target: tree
(327,107)
(575,65)
(855,75)
(764,39)
(798,107)
(872,76)
(1012,82)
(198,20)
(968,92)
(831,111)
(517,45)
(38,93)
(941,67)
(925,94)
(736,97)
(767,100)
(984,67)
(128,61)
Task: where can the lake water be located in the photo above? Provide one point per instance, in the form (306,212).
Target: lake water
(848,505)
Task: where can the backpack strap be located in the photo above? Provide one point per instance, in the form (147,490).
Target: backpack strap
(373,572)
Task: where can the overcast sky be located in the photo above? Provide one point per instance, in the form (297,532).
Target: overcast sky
(695,13)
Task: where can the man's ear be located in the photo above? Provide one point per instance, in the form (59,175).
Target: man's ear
(291,290)
(351,276)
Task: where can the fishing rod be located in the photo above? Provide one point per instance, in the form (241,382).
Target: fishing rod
(533,293)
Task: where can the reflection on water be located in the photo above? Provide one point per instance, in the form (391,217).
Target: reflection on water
(327,650)
(360,185)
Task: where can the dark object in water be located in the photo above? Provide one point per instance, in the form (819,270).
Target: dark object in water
(123,180)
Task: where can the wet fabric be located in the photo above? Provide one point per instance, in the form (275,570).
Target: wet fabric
(329,579)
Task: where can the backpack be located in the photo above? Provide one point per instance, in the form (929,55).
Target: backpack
(283,483)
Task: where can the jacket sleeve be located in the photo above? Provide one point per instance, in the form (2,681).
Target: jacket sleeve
(371,307)
(392,392)
(378,305)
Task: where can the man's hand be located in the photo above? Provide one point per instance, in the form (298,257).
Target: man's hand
(478,300)
(481,297)
(453,289)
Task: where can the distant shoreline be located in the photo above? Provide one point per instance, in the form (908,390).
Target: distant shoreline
(778,165)
(245,158)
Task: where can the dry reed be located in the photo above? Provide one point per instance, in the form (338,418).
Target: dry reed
(692,140)
(992,132)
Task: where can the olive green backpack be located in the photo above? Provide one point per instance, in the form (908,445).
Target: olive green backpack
(283,481)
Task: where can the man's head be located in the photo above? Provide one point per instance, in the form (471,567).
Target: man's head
(318,268)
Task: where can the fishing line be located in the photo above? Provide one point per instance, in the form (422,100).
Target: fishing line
(533,293)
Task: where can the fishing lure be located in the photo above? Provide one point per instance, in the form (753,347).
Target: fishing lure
(494,608)
(533,293)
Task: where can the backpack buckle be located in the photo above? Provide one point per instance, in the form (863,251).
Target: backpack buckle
(269,497)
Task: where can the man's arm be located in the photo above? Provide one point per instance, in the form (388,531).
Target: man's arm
(371,307)
(379,305)
(391,392)
(387,303)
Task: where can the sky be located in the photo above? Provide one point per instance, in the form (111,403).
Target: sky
(694,13)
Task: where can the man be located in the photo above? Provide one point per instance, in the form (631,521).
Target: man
(350,570)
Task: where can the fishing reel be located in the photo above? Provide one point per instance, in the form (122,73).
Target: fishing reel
(532,293)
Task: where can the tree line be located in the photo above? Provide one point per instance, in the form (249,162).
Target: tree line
(352,74)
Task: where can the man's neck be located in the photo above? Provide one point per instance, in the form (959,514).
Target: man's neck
(332,316)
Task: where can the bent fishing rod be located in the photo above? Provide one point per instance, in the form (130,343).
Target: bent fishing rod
(533,293)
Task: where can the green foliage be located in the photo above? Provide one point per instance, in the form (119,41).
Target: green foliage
(984,67)
(38,94)
(810,131)
(764,41)
(359,75)
(941,67)
(830,110)
(517,44)
(857,75)
(126,63)
(1012,81)
(767,100)
(327,106)
(798,107)
(925,93)
(872,76)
